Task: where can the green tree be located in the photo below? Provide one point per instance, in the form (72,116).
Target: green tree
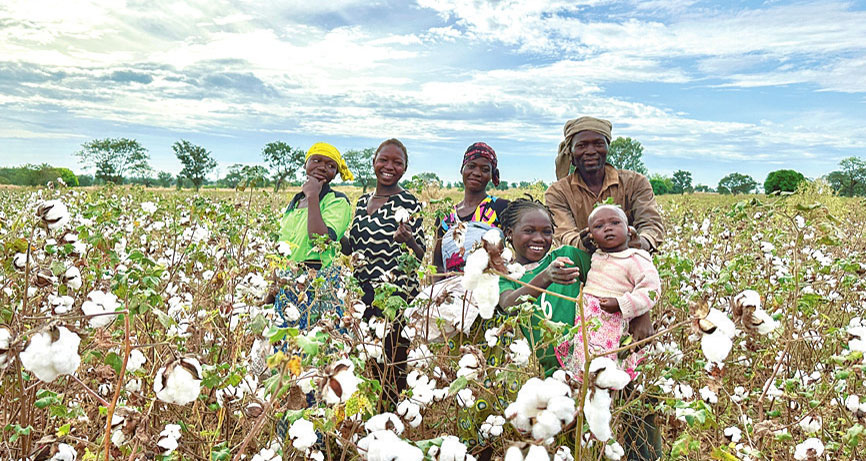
(360,163)
(114,157)
(850,180)
(164,179)
(283,160)
(429,178)
(703,188)
(783,180)
(197,162)
(736,183)
(682,181)
(661,184)
(626,154)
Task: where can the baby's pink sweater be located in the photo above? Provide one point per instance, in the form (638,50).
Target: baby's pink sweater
(629,276)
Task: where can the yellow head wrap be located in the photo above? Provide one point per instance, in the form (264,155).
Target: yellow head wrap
(327,150)
(571,128)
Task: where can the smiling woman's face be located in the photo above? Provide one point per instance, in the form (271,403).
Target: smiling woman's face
(532,236)
(389,164)
(320,167)
(476,174)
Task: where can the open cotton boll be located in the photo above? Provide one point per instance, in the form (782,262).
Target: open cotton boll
(468,366)
(72,278)
(614,451)
(302,434)
(53,213)
(609,376)
(722,322)
(65,452)
(716,346)
(179,382)
(465,398)
(48,358)
(492,426)
(520,352)
(537,453)
(284,249)
(596,408)
(136,361)
(452,450)
(811,448)
(386,446)
(342,384)
(402,215)
(100,302)
(767,323)
(411,412)
(563,453)
(810,425)
(493,236)
(384,422)
(168,439)
(546,426)
(733,433)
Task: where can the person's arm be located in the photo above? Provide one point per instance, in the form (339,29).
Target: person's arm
(315,224)
(647,219)
(437,249)
(647,288)
(561,270)
(566,231)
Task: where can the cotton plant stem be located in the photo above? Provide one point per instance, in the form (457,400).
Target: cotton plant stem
(126,351)
(521,282)
(583,384)
(90,391)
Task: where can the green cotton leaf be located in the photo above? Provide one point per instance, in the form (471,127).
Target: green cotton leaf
(852,436)
(114,361)
(163,318)
(457,385)
(681,446)
(310,347)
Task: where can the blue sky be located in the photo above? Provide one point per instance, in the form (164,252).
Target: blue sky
(709,87)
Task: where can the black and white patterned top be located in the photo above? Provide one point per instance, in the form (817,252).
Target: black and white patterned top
(373,237)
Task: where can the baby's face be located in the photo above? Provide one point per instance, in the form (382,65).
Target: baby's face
(609,231)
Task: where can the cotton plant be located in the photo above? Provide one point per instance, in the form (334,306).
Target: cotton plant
(52,353)
(100,305)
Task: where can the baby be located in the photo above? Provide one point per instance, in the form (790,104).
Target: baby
(622,284)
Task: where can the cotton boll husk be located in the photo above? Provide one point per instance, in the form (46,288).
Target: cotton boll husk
(716,346)
(597,411)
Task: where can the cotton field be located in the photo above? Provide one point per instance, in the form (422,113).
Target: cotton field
(140,324)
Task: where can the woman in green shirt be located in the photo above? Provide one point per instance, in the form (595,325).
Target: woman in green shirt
(528,226)
(314,212)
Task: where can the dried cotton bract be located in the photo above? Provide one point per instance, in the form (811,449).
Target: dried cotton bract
(51,354)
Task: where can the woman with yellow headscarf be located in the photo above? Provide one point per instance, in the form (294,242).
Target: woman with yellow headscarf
(316,219)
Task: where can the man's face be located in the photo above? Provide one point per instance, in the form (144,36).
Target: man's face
(588,152)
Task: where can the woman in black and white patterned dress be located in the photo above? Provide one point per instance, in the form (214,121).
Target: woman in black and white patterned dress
(385,219)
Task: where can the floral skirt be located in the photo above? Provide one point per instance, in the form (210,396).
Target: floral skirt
(605,332)
(313,295)
(496,393)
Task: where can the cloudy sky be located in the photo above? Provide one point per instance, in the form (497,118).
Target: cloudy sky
(709,87)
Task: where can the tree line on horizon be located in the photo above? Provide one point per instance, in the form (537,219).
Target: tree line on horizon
(126,161)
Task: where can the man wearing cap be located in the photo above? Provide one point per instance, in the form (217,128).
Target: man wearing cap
(573,196)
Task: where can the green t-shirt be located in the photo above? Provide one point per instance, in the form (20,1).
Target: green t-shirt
(551,307)
(336,213)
